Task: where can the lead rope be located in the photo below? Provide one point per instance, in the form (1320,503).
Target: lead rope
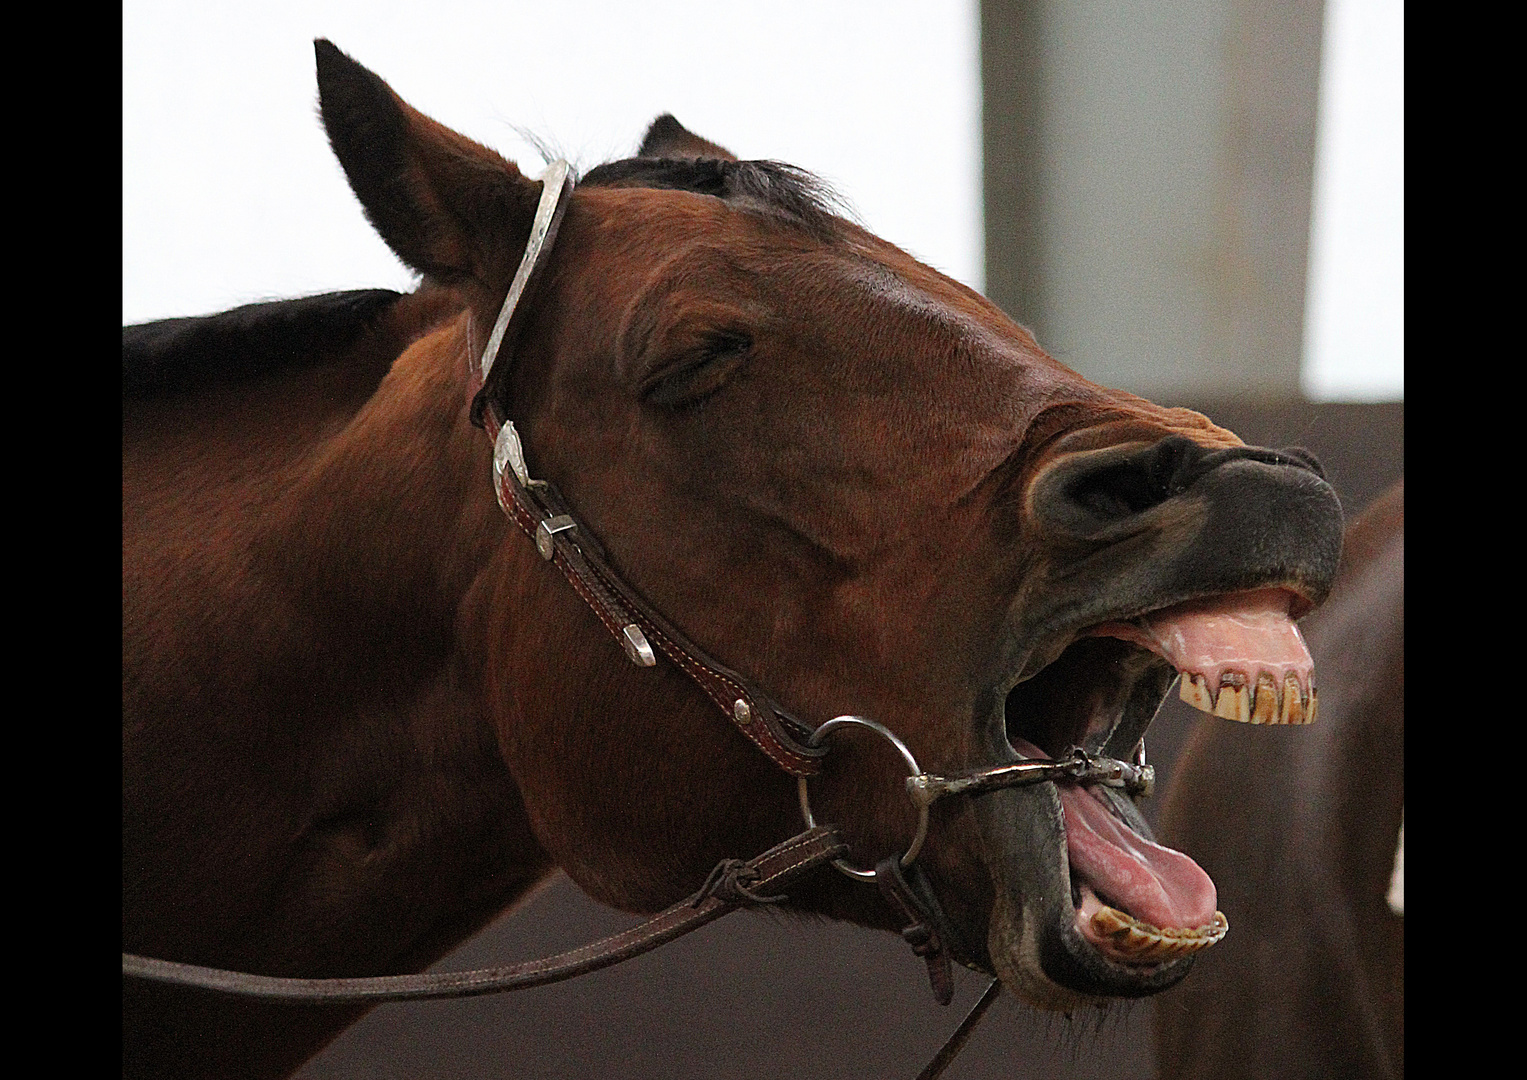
(956,1042)
(730,886)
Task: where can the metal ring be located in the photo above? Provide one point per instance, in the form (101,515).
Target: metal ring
(906,755)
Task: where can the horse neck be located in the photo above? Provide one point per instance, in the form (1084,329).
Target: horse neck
(384,534)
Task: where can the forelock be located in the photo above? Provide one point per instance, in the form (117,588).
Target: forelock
(771,186)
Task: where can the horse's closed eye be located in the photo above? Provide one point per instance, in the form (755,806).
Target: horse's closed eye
(699,373)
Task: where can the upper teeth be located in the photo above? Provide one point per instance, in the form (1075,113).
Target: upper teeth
(1263,703)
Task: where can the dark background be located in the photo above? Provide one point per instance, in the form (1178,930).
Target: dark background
(759,994)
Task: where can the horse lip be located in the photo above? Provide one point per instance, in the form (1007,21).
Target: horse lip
(1245,524)
(1051,640)
(1033,942)
(1040,953)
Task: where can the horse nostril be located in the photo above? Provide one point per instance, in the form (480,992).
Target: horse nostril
(1116,491)
(1138,482)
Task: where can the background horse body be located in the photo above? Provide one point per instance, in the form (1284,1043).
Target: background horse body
(1299,831)
(362,716)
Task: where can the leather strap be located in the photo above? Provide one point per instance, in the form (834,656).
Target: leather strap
(541,513)
(921,931)
(556,185)
(931,937)
(734,884)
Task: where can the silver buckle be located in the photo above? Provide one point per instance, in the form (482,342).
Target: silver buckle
(509,453)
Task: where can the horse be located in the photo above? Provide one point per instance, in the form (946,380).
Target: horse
(1301,831)
(363,714)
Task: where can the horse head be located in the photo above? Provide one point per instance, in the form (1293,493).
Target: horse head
(866,488)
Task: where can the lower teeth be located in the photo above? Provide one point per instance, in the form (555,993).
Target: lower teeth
(1141,941)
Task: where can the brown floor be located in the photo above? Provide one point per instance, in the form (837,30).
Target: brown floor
(813,999)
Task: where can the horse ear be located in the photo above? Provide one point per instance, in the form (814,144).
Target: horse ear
(667,138)
(449,207)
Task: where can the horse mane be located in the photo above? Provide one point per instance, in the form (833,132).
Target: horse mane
(173,355)
(791,193)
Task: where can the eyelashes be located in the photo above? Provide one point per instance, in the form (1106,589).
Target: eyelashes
(697,373)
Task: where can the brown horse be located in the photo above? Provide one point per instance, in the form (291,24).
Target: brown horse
(1299,830)
(362,715)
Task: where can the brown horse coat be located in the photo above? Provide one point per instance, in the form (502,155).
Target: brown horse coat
(1299,829)
(361,716)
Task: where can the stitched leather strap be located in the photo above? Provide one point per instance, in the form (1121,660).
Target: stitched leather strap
(544,516)
(547,520)
(735,884)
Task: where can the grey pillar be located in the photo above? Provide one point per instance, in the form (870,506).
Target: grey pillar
(1012,89)
(1148,175)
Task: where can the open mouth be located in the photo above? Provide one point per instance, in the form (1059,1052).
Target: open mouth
(1239,656)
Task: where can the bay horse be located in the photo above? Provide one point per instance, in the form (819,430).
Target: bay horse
(362,714)
(1299,830)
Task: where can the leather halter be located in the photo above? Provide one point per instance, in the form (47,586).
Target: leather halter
(540,511)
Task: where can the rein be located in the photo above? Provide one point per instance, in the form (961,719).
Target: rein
(541,513)
(732,884)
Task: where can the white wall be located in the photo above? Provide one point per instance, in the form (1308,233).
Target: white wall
(1354,326)
(230,193)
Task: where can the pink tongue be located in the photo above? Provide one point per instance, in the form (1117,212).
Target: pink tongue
(1248,632)
(1153,883)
